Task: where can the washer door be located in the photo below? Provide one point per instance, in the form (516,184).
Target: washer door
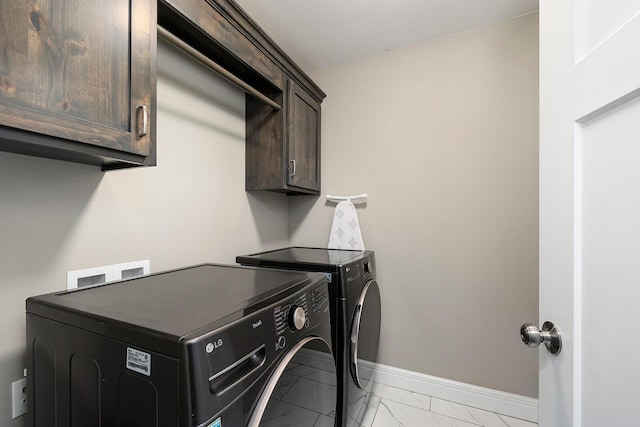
(365,334)
(297,393)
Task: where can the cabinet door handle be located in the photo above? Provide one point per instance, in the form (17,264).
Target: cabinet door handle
(292,167)
(143,129)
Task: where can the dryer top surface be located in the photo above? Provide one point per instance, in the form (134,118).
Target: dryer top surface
(303,255)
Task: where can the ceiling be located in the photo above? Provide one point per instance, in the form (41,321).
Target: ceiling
(321,33)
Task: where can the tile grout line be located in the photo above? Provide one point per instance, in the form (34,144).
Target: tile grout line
(497,414)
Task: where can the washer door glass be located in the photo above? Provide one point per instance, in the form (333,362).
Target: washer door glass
(302,389)
(365,334)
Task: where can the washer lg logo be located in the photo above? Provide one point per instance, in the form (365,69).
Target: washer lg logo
(213,345)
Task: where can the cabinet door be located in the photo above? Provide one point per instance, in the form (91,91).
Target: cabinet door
(303,139)
(79,71)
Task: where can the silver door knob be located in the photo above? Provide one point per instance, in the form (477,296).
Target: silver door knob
(549,335)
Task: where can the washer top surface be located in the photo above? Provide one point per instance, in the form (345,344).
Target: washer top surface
(317,256)
(178,302)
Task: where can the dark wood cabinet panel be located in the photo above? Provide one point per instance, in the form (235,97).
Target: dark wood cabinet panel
(265,154)
(283,147)
(77,80)
(205,25)
(303,139)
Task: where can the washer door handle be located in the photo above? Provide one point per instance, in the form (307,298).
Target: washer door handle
(531,336)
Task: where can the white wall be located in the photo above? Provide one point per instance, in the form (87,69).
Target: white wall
(443,136)
(191,208)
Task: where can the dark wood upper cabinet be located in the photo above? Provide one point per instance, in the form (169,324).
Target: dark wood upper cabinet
(283,147)
(303,140)
(77,80)
(283,144)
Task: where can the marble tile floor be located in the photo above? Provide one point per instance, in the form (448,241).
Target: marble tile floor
(399,407)
(305,395)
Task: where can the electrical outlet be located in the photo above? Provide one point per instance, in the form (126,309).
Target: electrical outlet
(19,397)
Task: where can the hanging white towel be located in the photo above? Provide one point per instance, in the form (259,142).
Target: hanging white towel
(345,229)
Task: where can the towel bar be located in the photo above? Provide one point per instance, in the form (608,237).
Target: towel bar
(360,197)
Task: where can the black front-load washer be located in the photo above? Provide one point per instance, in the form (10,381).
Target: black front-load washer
(206,346)
(355,316)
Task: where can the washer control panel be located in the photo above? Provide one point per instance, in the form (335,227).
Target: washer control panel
(303,310)
(320,299)
(288,316)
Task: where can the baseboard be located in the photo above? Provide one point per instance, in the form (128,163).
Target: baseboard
(513,405)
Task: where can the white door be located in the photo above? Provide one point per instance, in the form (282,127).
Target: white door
(590,211)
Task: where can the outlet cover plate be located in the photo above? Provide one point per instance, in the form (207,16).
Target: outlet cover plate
(120,270)
(19,397)
(105,273)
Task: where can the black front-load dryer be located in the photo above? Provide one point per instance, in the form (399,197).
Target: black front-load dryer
(205,346)
(355,317)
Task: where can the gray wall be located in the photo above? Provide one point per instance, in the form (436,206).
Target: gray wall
(443,136)
(191,208)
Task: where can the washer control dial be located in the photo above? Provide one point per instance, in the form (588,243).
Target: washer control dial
(297,318)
